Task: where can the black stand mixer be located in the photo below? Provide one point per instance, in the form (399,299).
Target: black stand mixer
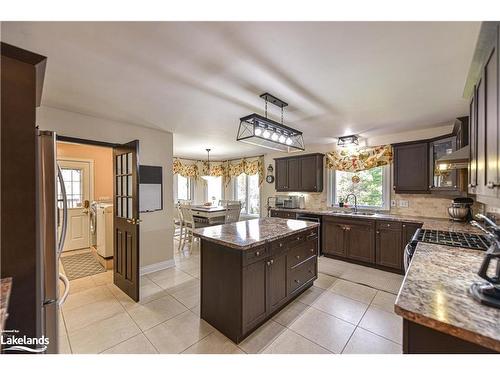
(488,292)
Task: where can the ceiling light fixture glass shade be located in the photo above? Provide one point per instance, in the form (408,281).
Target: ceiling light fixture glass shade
(348,140)
(262,131)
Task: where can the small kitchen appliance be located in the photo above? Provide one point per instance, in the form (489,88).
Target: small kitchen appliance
(461,209)
(287,201)
(488,291)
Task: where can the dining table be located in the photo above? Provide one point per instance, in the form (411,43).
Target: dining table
(209,215)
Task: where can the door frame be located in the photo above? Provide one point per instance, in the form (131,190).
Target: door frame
(90,163)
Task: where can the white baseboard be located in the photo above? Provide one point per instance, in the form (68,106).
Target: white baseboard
(157,267)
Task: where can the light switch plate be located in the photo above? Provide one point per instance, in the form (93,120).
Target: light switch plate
(403,203)
(393,203)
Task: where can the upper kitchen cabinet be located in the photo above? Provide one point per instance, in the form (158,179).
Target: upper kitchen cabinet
(411,167)
(482,89)
(300,173)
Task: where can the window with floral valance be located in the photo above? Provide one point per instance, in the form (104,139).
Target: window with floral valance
(227,169)
(357,160)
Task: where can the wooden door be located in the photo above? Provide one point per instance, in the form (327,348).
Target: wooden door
(277,282)
(77,176)
(472,175)
(388,248)
(281,174)
(309,172)
(294,175)
(411,168)
(491,125)
(481,183)
(333,237)
(254,294)
(126,218)
(360,242)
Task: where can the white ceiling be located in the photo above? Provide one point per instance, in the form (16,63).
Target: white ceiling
(197,79)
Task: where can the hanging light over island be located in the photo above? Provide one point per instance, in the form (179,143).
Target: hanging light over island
(262,131)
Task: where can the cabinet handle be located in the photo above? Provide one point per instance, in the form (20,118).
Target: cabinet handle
(281,244)
(310,271)
(404,226)
(268,263)
(272,261)
(257,253)
(312,250)
(378,232)
(491,185)
(297,256)
(297,281)
(298,238)
(388,225)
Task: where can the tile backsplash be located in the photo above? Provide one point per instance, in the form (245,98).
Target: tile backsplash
(424,205)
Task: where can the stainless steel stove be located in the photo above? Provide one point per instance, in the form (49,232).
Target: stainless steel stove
(456,239)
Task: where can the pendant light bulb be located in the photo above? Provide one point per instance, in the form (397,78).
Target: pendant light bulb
(258,131)
(266,134)
(288,141)
(275,137)
(282,139)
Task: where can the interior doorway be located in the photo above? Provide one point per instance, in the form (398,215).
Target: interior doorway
(102,190)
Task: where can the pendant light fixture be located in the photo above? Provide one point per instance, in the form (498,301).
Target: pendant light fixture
(262,131)
(348,140)
(206,177)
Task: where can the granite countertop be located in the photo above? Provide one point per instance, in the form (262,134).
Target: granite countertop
(247,234)
(427,222)
(435,294)
(5,288)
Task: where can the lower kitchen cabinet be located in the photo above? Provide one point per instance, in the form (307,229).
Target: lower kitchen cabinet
(388,246)
(241,289)
(283,214)
(349,238)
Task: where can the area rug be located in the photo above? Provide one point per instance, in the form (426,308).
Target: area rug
(81,265)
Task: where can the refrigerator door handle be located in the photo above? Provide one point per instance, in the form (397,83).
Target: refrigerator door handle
(65,281)
(64,227)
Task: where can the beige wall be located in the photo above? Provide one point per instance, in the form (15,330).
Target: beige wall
(103,165)
(155,148)
(418,204)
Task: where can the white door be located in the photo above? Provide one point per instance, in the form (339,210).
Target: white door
(77,180)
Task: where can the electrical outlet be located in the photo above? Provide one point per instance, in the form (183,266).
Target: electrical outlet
(393,203)
(403,203)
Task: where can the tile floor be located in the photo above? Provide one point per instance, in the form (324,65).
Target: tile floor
(334,316)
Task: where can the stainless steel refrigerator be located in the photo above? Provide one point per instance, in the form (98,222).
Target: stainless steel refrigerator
(51,226)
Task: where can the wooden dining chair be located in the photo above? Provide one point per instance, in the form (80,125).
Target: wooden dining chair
(178,225)
(188,224)
(233,212)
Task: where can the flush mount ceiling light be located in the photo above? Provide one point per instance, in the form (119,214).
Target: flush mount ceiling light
(348,140)
(262,131)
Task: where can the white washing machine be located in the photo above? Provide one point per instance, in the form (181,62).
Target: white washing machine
(104,229)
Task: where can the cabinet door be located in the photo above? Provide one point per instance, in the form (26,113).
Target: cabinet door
(309,173)
(481,183)
(473,144)
(281,174)
(254,294)
(277,281)
(411,166)
(333,237)
(388,249)
(293,174)
(491,125)
(360,242)
(442,179)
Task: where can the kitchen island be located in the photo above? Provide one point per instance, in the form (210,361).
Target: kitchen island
(439,315)
(251,269)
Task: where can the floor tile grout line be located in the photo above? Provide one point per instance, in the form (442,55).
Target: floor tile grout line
(304,337)
(66,330)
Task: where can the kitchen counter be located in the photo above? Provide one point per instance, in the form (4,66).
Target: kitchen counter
(244,235)
(428,222)
(5,288)
(435,294)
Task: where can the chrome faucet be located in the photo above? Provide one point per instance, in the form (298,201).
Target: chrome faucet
(355,208)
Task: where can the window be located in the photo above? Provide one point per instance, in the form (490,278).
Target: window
(246,190)
(213,189)
(184,188)
(372,190)
(73,183)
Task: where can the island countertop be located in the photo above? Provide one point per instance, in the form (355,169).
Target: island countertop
(435,294)
(247,234)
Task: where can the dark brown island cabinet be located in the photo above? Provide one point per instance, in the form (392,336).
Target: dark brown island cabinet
(242,288)
(302,173)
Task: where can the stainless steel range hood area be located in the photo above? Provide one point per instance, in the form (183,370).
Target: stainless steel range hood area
(458,159)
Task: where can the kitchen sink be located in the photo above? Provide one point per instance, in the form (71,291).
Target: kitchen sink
(353,213)
(364,213)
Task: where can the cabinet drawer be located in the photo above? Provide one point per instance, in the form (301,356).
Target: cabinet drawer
(301,252)
(302,274)
(396,225)
(253,255)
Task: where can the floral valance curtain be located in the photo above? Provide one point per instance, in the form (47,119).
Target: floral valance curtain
(349,160)
(225,169)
